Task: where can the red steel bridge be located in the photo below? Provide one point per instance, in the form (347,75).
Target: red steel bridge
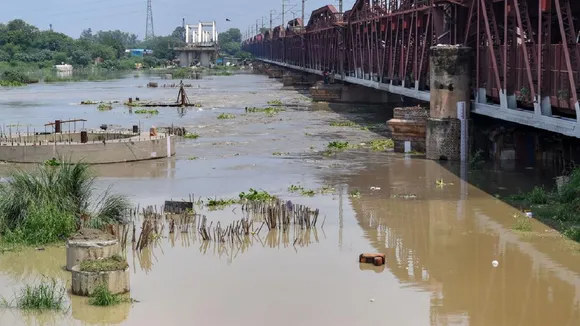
(526,61)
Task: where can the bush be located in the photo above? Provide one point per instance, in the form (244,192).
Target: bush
(47,295)
(44,224)
(15,76)
(47,203)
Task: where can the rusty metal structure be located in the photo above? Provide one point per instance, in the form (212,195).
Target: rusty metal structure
(526,65)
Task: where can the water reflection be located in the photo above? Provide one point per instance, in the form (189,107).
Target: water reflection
(293,238)
(445,245)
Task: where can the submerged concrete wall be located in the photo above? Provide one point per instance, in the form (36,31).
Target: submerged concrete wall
(126,150)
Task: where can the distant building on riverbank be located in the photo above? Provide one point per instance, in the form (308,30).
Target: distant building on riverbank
(138,52)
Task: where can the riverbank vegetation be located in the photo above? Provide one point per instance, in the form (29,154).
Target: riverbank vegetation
(50,203)
(559,207)
(27,51)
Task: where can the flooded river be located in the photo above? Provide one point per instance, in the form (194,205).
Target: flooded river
(439,241)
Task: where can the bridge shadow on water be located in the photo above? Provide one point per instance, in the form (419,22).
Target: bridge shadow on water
(442,240)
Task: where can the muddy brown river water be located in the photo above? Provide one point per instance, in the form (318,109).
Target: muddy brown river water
(439,241)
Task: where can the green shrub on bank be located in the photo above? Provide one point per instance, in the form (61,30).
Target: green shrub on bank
(559,206)
(44,223)
(45,205)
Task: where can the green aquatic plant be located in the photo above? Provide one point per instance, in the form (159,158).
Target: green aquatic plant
(338,145)
(144,111)
(268,110)
(46,295)
(256,195)
(379,145)
(224,116)
(301,190)
(220,203)
(103,297)
(355,193)
(104,107)
(522,224)
(275,102)
(343,124)
(191,136)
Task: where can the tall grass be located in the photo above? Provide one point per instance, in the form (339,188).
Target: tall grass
(46,205)
(47,295)
(560,206)
(103,297)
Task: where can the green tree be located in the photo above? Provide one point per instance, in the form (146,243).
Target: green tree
(179,33)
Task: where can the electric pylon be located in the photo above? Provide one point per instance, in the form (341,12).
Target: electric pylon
(149,33)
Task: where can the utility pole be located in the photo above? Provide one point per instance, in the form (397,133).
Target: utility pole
(340,7)
(257,29)
(262,22)
(303,24)
(271,11)
(283,9)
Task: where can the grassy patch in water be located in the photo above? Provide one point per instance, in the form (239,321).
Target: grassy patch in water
(338,145)
(343,124)
(268,110)
(104,107)
(102,297)
(220,203)
(275,102)
(256,195)
(145,111)
(224,116)
(191,136)
(522,224)
(557,208)
(301,190)
(46,295)
(192,158)
(113,263)
(379,145)
(355,193)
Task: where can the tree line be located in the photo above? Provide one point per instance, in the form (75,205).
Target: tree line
(25,45)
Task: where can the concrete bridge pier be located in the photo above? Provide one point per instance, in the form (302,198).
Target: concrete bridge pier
(447,125)
(291,78)
(348,93)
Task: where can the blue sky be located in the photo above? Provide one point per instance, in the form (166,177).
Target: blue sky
(72,16)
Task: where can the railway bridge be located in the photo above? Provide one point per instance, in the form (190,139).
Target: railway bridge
(525,53)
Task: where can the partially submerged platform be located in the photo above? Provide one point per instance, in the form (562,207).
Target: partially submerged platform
(91,146)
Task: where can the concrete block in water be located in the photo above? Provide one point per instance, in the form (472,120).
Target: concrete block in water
(85,283)
(79,250)
(372,258)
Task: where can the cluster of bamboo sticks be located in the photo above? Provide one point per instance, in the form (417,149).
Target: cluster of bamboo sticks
(275,214)
(279,214)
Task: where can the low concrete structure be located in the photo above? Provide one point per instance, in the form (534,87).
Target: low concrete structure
(81,249)
(85,283)
(341,93)
(408,129)
(96,148)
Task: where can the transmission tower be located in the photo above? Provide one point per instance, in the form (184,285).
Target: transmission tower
(149,33)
